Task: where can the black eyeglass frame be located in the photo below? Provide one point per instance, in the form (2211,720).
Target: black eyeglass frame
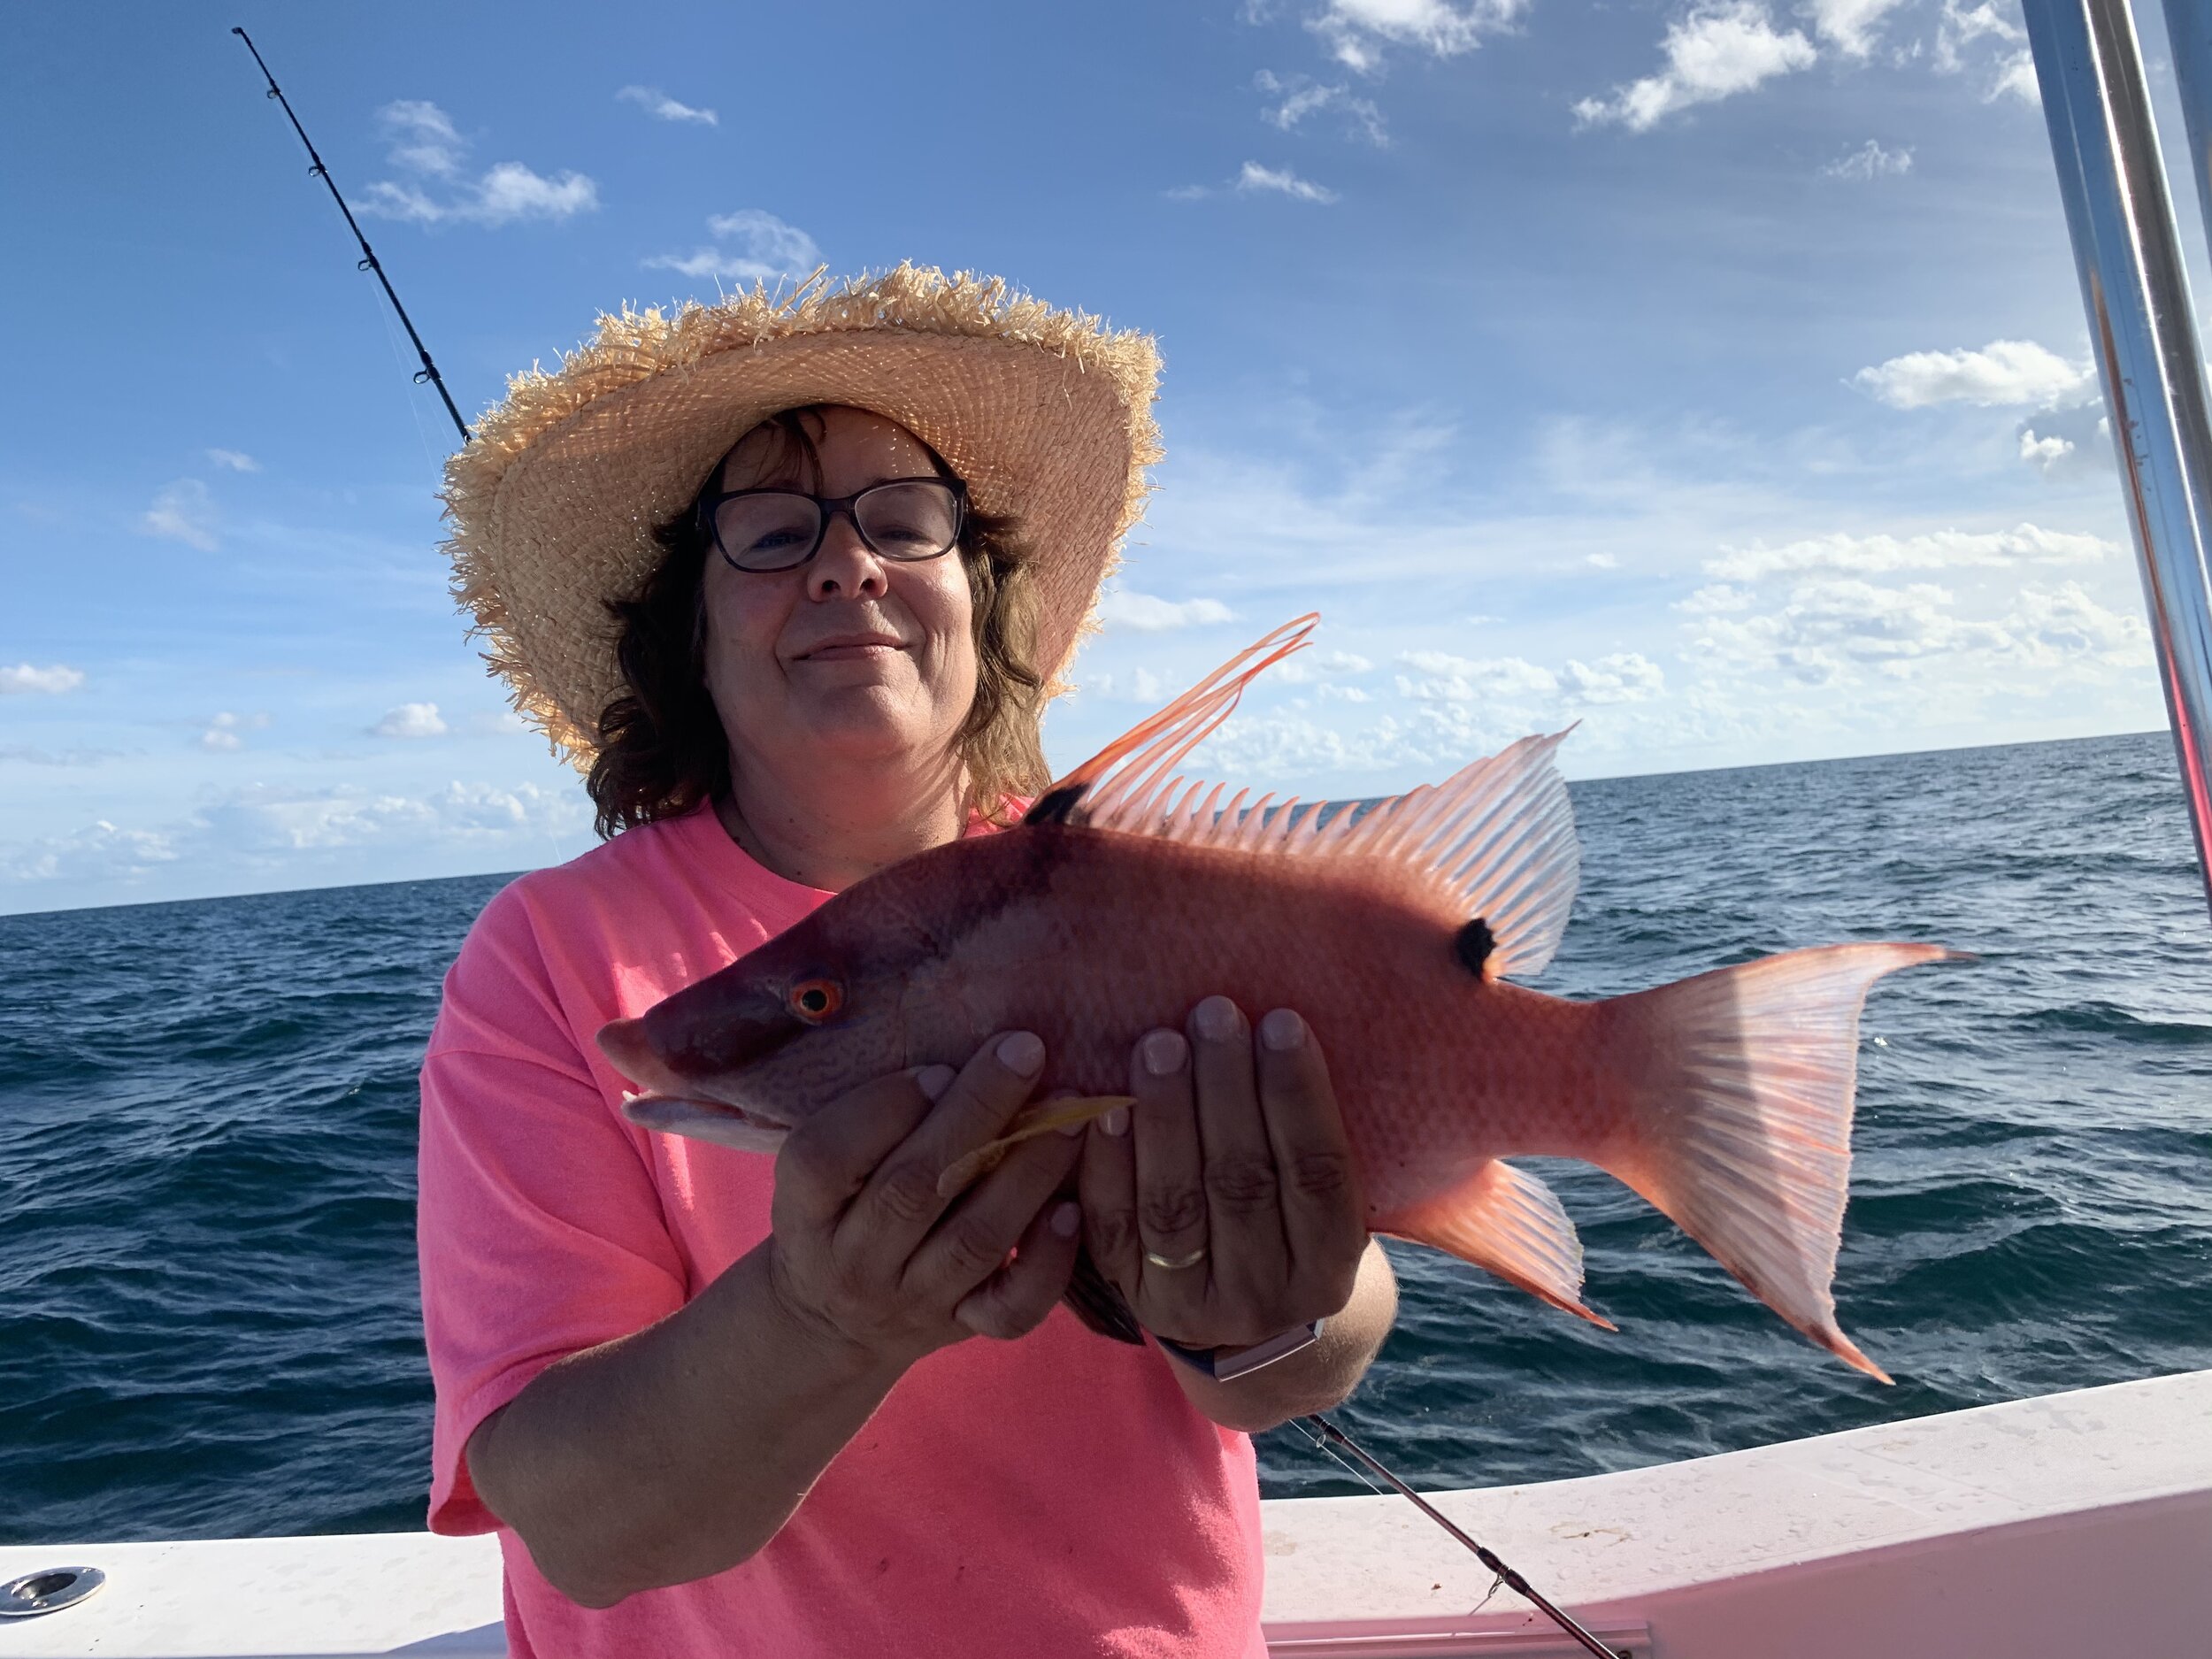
(827,507)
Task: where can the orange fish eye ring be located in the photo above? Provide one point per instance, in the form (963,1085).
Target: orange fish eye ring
(815,999)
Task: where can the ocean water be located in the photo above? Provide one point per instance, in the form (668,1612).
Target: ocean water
(208,1323)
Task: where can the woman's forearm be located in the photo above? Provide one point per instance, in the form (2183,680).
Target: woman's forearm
(679,1451)
(1315,1378)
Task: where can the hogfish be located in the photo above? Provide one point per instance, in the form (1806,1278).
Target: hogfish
(1127,894)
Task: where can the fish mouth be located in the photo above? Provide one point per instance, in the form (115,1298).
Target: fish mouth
(746,1128)
(689,1059)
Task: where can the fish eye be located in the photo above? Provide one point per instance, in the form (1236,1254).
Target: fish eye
(815,1001)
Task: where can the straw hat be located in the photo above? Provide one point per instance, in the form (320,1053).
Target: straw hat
(1046,414)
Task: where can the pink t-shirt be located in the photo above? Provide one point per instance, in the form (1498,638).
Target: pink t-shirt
(1056,1495)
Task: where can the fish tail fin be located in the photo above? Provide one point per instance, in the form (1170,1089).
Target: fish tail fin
(1739,1127)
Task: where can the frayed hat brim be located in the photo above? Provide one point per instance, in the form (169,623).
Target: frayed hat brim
(1046,414)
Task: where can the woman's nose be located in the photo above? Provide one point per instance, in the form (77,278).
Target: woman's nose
(845,567)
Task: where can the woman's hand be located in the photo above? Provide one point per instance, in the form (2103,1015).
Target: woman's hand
(868,1255)
(1224,1205)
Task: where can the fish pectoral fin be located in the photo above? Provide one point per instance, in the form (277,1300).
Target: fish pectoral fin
(1507,1222)
(1057,1114)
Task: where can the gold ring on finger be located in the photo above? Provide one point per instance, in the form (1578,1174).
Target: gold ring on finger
(1176,1263)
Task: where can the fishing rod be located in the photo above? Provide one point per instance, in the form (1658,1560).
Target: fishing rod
(368,261)
(1333,1435)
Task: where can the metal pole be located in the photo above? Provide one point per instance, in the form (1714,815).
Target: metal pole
(368,261)
(2128,256)
(2189,34)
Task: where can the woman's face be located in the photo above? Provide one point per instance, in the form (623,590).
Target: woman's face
(850,657)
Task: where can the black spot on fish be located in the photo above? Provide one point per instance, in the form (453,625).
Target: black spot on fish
(1053,806)
(1473,944)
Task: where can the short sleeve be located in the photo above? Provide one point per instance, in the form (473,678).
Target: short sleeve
(539,1227)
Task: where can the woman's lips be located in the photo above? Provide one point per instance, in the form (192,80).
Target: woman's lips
(848,649)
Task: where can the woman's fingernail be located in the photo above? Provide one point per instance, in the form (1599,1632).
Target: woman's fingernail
(1163,1052)
(1067,1220)
(1116,1122)
(1283,1031)
(1022,1053)
(934,1080)
(1217,1018)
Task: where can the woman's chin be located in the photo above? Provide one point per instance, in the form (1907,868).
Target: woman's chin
(859,727)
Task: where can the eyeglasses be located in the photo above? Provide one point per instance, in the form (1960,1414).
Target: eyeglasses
(908,519)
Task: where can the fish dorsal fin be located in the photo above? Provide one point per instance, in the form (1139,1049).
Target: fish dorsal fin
(1135,764)
(1498,833)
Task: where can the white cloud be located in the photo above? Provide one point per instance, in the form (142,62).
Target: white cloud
(754,247)
(1939,549)
(422,137)
(183,511)
(1141,613)
(24,679)
(1285,746)
(424,141)
(1321,669)
(100,852)
(1445,678)
(1357,31)
(1869,161)
(2016,75)
(236,460)
(2002,372)
(1301,95)
(223,731)
(1828,631)
(1850,24)
(264,835)
(2067,444)
(1622,677)
(410,720)
(1722,48)
(656,102)
(1959,26)
(1187,193)
(1139,685)
(1602,561)
(31,755)
(1283,180)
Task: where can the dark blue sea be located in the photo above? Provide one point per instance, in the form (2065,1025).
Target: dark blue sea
(208,1322)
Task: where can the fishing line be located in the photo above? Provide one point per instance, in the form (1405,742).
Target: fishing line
(399,357)
(368,261)
(1519,1586)
(1368,1480)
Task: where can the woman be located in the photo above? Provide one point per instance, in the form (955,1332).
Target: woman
(718,1403)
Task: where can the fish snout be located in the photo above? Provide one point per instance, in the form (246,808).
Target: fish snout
(698,1038)
(630,1051)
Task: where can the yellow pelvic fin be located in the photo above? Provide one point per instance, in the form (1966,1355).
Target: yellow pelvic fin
(1059,1114)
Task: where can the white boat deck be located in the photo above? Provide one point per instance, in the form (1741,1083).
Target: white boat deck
(2068,1527)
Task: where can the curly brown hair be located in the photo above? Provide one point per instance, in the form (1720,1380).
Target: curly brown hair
(662,748)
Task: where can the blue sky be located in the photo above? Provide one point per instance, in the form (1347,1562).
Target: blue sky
(1713,373)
